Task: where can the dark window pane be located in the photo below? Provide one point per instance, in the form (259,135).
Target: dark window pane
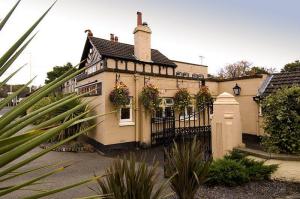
(189,110)
(125,113)
(169,111)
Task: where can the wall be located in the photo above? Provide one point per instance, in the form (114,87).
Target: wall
(109,131)
(248,107)
(191,68)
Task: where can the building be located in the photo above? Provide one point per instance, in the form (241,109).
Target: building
(271,84)
(110,61)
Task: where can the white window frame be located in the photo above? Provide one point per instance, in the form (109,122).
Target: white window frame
(186,113)
(129,121)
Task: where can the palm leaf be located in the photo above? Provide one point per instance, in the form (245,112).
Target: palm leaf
(3,22)
(29,182)
(10,76)
(19,42)
(4,102)
(15,56)
(43,152)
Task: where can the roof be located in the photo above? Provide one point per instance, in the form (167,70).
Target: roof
(119,50)
(279,80)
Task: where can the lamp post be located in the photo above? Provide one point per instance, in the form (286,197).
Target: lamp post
(236,89)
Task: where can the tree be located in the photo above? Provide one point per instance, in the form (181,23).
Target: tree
(290,67)
(260,70)
(243,68)
(58,71)
(237,69)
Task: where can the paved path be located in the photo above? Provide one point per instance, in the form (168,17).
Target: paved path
(287,171)
(84,166)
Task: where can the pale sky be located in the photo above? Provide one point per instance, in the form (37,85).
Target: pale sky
(264,32)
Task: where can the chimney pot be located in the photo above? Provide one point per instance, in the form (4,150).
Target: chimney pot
(139,19)
(112,37)
(116,39)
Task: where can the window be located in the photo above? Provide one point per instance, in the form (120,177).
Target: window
(92,89)
(91,69)
(126,114)
(189,113)
(165,108)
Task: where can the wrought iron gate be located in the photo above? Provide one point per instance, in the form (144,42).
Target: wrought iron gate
(183,126)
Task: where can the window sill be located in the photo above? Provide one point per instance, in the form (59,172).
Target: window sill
(126,124)
(187,119)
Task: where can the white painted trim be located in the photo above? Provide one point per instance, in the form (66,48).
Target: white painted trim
(126,124)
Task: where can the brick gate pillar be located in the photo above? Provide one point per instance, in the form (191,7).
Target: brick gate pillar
(226,125)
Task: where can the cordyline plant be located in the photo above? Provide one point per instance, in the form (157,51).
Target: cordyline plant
(119,96)
(70,130)
(150,97)
(182,99)
(13,143)
(187,166)
(203,96)
(129,179)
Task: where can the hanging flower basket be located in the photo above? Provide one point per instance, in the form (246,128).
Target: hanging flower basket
(150,97)
(182,99)
(203,96)
(119,96)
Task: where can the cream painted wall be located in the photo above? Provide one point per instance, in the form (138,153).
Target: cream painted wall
(110,132)
(248,107)
(191,68)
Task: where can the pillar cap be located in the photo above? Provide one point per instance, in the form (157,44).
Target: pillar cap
(226,99)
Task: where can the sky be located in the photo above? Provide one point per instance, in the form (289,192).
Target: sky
(263,32)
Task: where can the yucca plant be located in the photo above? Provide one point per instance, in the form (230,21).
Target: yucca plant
(129,179)
(14,144)
(70,130)
(186,164)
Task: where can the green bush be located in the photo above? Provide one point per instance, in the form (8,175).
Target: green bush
(257,170)
(281,112)
(228,173)
(235,168)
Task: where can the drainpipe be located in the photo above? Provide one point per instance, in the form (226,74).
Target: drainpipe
(137,137)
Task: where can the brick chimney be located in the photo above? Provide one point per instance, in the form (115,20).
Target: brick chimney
(142,40)
(112,37)
(116,39)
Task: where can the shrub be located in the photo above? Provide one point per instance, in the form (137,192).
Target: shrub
(227,172)
(150,97)
(188,169)
(203,96)
(256,169)
(119,96)
(182,99)
(40,104)
(282,120)
(127,179)
(70,131)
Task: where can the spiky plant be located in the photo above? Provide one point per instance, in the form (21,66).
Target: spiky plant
(129,179)
(70,130)
(13,144)
(186,164)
